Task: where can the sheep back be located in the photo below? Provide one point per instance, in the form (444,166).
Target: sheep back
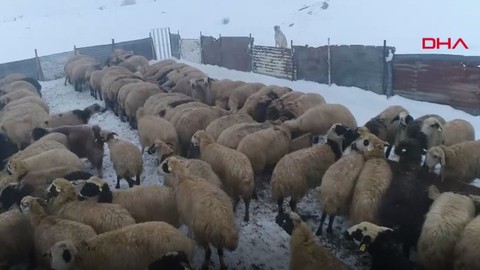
(466,248)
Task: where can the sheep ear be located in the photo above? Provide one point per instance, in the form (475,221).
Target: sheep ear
(408,119)
(396,118)
(193,83)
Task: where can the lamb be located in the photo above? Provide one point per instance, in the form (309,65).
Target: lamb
(102,217)
(266,147)
(134,247)
(231,166)
(136,99)
(373,181)
(319,119)
(466,248)
(151,128)
(144,203)
(175,260)
(450,133)
(50,229)
(459,162)
(232,135)
(16,238)
(240,94)
(296,172)
(95,81)
(118,92)
(444,224)
(78,72)
(73,117)
(382,243)
(126,158)
(84,140)
(336,189)
(217,126)
(206,210)
(305,253)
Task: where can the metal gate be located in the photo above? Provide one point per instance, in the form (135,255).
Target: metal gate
(161,42)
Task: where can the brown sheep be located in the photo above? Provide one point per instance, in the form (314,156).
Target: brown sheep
(217,126)
(72,118)
(151,128)
(256,104)
(240,94)
(136,99)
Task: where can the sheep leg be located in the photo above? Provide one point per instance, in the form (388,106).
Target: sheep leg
(208,254)
(280,206)
(330,223)
(322,221)
(130,181)
(246,218)
(220,257)
(138,180)
(389,149)
(118,182)
(235,204)
(293,205)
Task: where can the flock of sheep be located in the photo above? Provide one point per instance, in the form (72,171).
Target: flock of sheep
(219,142)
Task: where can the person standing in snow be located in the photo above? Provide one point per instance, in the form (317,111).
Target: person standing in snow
(280,39)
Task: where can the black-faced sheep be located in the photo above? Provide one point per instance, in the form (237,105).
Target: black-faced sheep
(373,181)
(305,252)
(410,128)
(319,119)
(336,189)
(16,238)
(231,166)
(452,132)
(134,247)
(72,118)
(126,158)
(382,243)
(459,162)
(175,260)
(50,229)
(232,136)
(151,128)
(84,140)
(444,224)
(293,104)
(144,203)
(103,217)
(207,212)
(297,172)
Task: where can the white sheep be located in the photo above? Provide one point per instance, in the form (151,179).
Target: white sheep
(231,166)
(206,210)
(144,203)
(444,223)
(131,248)
(467,246)
(151,128)
(126,158)
(450,133)
(459,162)
(373,181)
(103,217)
(305,252)
(50,229)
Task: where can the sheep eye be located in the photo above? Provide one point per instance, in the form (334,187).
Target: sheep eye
(366,142)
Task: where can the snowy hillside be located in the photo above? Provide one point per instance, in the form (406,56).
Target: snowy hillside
(53,26)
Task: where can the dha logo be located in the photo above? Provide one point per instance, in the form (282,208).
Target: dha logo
(435,43)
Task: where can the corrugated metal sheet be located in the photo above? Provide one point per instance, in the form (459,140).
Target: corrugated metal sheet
(273,61)
(26,67)
(52,65)
(445,79)
(161,41)
(190,50)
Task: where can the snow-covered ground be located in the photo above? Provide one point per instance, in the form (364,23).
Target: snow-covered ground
(263,244)
(54,26)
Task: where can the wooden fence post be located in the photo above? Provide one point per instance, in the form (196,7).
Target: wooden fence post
(250,53)
(152,44)
(74,50)
(113,44)
(201,48)
(329,63)
(38,67)
(292,54)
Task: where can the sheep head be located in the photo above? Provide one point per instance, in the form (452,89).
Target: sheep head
(106,135)
(201,136)
(62,254)
(58,187)
(173,165)
(403,118)
(201,89)
(17,168)
(431,126)
(410,151)
(288,221)
(162,149)
(96,186)
(435,155)
(31,204)
(366,234)
(370,144)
